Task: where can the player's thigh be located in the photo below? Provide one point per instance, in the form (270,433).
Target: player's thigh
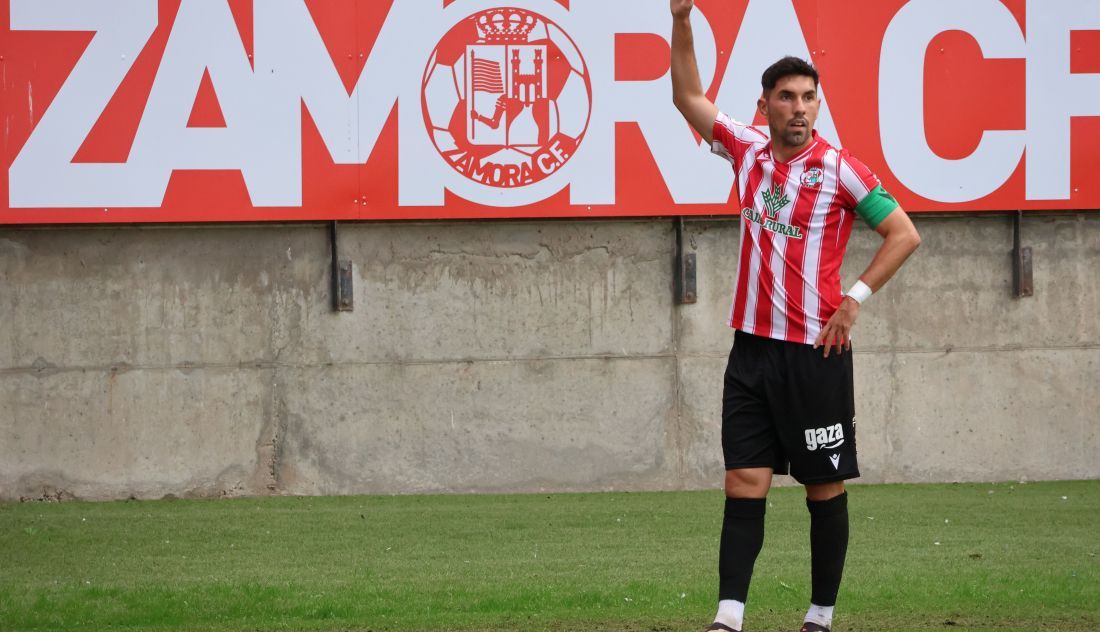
(748,429)
(815,411)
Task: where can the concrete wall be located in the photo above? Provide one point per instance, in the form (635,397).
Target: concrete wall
(506,356)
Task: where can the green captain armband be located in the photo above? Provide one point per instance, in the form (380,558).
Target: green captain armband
(876,206)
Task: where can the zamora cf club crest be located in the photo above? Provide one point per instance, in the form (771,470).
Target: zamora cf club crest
(506,97)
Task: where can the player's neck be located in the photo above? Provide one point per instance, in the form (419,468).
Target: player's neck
(783,152)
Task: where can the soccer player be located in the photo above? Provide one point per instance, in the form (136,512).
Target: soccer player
(787,402)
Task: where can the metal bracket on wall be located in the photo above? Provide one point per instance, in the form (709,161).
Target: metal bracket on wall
(342,296)
(684,272)
(1022,285)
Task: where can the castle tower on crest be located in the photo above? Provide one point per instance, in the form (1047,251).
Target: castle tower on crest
(527,87)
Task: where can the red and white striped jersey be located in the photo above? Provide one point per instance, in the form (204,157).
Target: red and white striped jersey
(796,217)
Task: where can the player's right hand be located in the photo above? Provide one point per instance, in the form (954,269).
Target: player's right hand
(681,8)
(837,332)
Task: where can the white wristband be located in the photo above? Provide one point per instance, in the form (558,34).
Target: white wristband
(860,292)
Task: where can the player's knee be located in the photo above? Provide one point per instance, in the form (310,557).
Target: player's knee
(824,491)
(747,483)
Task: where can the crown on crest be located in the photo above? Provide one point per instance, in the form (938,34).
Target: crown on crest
(506,25)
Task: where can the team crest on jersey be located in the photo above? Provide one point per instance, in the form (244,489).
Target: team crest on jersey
(506,97)
(813,177)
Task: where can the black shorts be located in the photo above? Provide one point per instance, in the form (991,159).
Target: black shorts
(787,407)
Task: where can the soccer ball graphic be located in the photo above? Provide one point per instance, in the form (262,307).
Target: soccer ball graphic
(506,97)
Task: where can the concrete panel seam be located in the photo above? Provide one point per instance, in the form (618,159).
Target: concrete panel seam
(271,440)
(878,350)
(191,366)
(978,349)
(677,394)
(51,369)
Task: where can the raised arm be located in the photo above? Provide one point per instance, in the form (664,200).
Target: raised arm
(687,89)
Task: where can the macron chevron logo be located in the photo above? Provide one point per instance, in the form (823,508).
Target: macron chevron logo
(835,458)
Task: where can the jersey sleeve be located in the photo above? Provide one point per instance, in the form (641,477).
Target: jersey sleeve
(733,139)
(863,192)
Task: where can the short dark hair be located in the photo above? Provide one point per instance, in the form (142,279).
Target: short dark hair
(787,67)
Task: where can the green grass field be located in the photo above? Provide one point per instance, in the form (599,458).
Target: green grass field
(923,557)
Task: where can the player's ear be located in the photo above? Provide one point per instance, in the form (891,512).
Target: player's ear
(762,105)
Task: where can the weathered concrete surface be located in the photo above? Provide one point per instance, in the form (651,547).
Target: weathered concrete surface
(116,434)
(965,424)
(485,426)
(506,356)
(428,292)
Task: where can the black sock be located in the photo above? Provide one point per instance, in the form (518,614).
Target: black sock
(828,546)
(742,537)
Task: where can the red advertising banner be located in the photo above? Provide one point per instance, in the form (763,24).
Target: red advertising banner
(270,110)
